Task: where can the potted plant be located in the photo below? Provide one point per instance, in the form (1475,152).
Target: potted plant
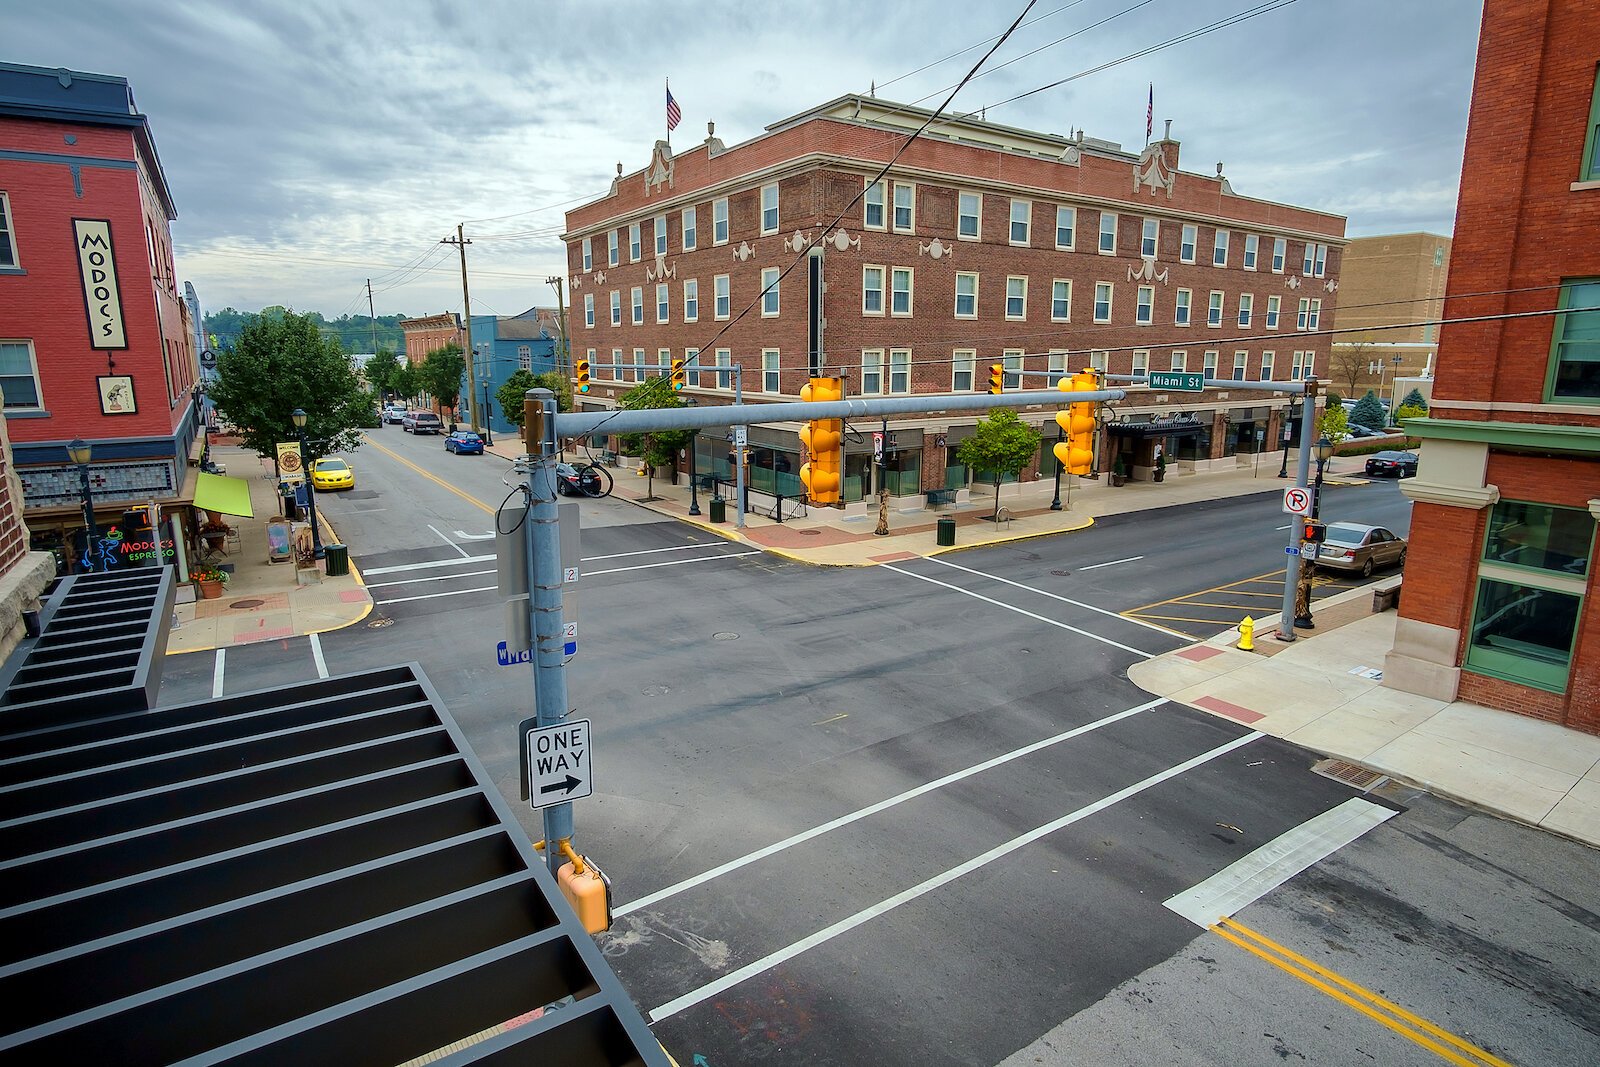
(1161,466)
(1119,473)
(210,579)
(213,531)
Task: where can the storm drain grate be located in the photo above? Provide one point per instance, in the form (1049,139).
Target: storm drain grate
(1349,773)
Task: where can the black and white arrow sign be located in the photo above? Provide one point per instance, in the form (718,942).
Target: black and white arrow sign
(558,763)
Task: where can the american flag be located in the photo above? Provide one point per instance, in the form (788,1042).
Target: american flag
(674,114)
(1149,112)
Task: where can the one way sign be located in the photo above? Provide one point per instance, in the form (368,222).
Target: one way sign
(556,762)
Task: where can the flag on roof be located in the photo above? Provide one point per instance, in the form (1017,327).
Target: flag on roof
(674,113)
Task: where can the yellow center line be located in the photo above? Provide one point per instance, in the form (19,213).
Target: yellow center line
(474,501)
(1405,1023)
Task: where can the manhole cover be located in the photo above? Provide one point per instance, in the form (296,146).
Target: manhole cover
(810,533)
(378,624)
(247,603)
(1061,573)
(724,636)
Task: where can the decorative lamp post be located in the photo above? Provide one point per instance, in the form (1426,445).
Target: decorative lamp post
(1302,597)
(1055,501)
(299,417)
(1394,389)
(78,451)
(1292,415)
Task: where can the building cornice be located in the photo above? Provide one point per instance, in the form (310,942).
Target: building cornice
(1589,410)
(1518,436)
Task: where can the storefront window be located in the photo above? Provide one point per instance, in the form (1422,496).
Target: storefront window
(1523,634)
(1540,536)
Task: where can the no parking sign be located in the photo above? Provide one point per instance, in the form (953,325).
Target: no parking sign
(1297,500)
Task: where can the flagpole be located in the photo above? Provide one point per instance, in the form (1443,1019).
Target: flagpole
(665,117)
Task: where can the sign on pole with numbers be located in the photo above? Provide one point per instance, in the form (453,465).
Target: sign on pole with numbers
(1297,500)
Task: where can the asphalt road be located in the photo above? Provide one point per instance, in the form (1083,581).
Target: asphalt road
(916,813)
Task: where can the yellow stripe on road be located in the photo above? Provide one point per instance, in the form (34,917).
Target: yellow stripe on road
(1407,1025)
(474,501)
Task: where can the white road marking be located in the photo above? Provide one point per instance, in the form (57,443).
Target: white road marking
(435,596)
(672,563)
(653,551)
(1282,528)
(1054,596)
(1110,563)
(316,656)
(473,537)
(425,565)
(1252,877)
(429,578)
(446,540)
(711,989)
(586,574)
(872,809)
(216,673)
(1020,611)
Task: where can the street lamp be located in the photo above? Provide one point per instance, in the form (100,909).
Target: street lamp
(1055,501)
(1302,597)
(1394,390)
(299,417)
(78,451)
(1292,414)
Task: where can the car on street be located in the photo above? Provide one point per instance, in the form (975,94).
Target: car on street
(394,415)
(332,473)
(1353,546)
(464,443)
(1399,464)
(1357,430)
(421,422)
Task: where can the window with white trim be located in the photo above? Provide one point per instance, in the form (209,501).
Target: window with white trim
(1209,368)
(1219,250)
(872,207)
(1191,235)
(969,216)
(1279,247)
(966,294)
(963,364)
(1247,303)
(1240,358)
(588,254)
(905,207)
(1322,261)
(1303,313)
(1061,300)
(616,364)
(900,280)
(719,221)
(691,367)
(1098,360)
(1310,367)
(638,305)
(872,370)
(722,297)
(664,361)
(724,359)
(616,307)
(1214,310)
(691,300)
(1141,362)
(769,370)
(660,229)
(871,289)
(1180,310)
(1108,233)
(1150,238)
(899,370)
(1273,304)
(1144,309)
(769,292)
(637,372)
(1314,320)
(1021,221)
(611,248)
(1252,248)
(1016,297)
(663,297)
(1066,228)
(769,208)
(635,247)
(1310,259)
(1011,368)
(1102,301)
(1180,360)
(588,310)
(1055,366)
(690,235)
(19,376)
(1266,366)
(1297,366)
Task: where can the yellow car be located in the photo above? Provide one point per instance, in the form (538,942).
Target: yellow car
(332,474)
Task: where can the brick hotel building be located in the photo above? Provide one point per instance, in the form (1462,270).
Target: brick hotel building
(984,244)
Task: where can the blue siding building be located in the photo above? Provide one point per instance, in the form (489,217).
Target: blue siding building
(502,346)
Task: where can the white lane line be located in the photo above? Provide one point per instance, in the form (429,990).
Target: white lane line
(711,989)
(316,656)
(872,809)
(429,578)
(216,673)
(1019,611)
(653,551)
(672,563)
(1252,877)
(1110,563)
(435,596)
(1281,528)
(1054,596)
(447,540)
(425,565)
(587,574)
(474,537)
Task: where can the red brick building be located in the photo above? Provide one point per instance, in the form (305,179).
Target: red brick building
(1499,602)
(429,332)
(983,244)
(95,338)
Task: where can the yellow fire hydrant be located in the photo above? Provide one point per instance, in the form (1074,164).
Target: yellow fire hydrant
(1247,631)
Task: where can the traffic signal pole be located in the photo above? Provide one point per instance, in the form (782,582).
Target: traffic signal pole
(1291,572)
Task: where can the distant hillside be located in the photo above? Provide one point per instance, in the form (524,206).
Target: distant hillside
(354,332)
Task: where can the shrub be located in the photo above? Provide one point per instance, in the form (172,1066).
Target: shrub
(1410,411)
(208,572)
(1414,399)
(1369,412)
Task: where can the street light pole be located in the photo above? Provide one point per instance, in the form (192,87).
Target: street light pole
(79,451)
(1308,567)
(488,416)
(299,417)
(1288,432)
(1055,501)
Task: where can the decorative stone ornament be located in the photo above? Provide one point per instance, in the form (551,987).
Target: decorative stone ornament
(743,252)
(576,282)
(1147,272)
(662,270)
(599,277)
(797,241)
(661,168)
(1293,283)
(841,240)
(1152,170)
(1331,285)
(935,249)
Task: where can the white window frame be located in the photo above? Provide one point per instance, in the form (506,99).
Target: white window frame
(616,364)
(724,364)
(899,372)
(976,217)
(1309,367)
(770,221)
(664,361)
(588,310)
(1055,365)
(910,209)
(1182,309)
(636,304)
(691,368)
(1110,293)
(38,386)
(1180,360)
(1241,363)
(962,275)
(1322,261)
(1267,360)
(1274,310)
(1021,316)
(1011,367)
(770,378)
(638,372)
(895,291)
(659,226)
(963,361)
(1188,242)
(1208,365)
(1070,215)
(1026,222)
(691,300)
(1308,264)
(688,223)
(875,197)
(663,302)
(613,254)
(1314,322)
(1297,361)
(722,298)
(1141,361)
(1061,300)
(1149,238)
(872,371)
(1247,307)
(866,290)
(1144,308)
(1252,250)
(769,292)
(1280,248)
(588,254)
(1302,313)
(1216,304)
(1219,249)
(616,307)
(720,227)
(1107,231)
(1099,360)
(635,243)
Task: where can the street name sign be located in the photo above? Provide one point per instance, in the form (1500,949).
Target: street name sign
(1178,381)
(1297,500)
(556,762)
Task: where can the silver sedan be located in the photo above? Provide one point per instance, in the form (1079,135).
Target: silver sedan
(1351,546)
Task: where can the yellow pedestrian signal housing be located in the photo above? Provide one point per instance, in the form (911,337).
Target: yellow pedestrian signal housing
(1077,422)
(589,892)
(678,378)
(997,378)
(1315,532)
(823,440)
(583,375)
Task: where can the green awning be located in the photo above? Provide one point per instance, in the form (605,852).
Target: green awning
(219,493)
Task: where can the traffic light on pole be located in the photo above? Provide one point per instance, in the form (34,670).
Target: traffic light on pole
(1077,422)
(997,378)
(678,378)
(823,440)
(583,375)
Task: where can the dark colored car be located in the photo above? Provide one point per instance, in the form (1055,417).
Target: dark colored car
(421,422)
(568,483)
(1357,430)
(464,443)
(1399,464)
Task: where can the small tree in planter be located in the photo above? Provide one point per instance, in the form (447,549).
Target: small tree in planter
(1002,444)
(1369,412)
(1334,424)
(658,448)
(1161,466)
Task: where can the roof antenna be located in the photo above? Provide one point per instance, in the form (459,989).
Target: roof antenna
(873,91)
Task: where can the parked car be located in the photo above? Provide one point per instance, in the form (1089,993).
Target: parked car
(421,422)
(1351,546)
(464,443)
(1399,464)
(394,415)
(332,474)
(1357,430)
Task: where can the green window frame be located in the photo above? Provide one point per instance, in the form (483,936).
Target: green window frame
(1590,171)
(1574,372)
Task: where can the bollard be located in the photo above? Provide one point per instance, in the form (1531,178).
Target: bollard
(1247,631)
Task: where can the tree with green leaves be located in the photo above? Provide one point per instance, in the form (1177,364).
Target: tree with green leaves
(380,371)
(1334,424)
(657,448)
(1415,399)
(511,394)
(440,375)
(280,362)
(405,383)
(1369,412)
(1002,444)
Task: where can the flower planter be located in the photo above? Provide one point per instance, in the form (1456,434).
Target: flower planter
(1118,479)
(210,590)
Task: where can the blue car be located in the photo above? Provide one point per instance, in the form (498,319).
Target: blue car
(464,443)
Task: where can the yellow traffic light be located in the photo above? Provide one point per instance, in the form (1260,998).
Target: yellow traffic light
(583,375)
(1077,422)
(823,440)
(678,378)
(997,378)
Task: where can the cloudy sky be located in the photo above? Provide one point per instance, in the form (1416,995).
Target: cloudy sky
(311,146)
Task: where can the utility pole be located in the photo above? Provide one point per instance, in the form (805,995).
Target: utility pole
(740,439)
(882,450)
(372,318)
(564,353)
(461,243)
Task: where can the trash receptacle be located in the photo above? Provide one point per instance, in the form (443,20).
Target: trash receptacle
(719,509)
(947,532)
(291,510)
(337,558)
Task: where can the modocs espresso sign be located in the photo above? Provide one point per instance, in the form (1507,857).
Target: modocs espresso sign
(101,297)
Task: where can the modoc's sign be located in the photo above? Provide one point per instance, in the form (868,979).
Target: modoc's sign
(102,299)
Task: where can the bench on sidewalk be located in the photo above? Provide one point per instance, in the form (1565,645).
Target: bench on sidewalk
(938,498)
(1386,596)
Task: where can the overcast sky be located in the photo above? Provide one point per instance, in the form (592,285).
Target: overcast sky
(311,146)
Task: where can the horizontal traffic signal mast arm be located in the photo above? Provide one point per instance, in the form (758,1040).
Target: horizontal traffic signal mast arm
(642,420)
